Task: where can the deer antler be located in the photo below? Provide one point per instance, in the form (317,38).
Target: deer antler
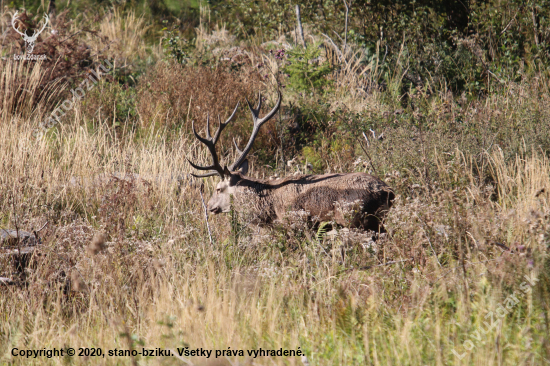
(258,122)
(13,19)
(210,143)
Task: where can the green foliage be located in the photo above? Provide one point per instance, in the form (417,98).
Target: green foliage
(313,156)
(305,70)
(263,18)
(175,47)
(466,48)
(322,230)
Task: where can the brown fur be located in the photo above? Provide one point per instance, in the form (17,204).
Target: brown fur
(352,200)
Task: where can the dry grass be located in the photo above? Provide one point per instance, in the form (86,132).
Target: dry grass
(125,33)
(171,94)
(69,59)
(22,88)
(127,261)
(158,265)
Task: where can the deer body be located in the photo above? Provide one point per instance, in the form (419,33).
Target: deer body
(354,199)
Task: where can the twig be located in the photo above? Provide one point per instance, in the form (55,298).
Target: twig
(299,23)
(501,246)
(338,52)
(493,75)
(71,36)
(346,26)
(455,267)
(430,242)
(337,35)
(43,226)
(510,23)
(485,66)
(366,153)
(16,226)
(6,281)
(366,139)
(535,24)
(100,51)
(35,232)
(206,214)
(188,111)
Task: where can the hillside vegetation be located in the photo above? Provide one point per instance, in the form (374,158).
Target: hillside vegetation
(448,102)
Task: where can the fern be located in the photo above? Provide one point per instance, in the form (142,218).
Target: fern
(322,230)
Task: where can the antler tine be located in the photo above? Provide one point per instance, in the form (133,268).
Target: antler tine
(13,19)
(208,127)
(210,167)
(236,147)
(222,125)
(201,139)
(210,143)
(256,111)
(258,122)
(204,175)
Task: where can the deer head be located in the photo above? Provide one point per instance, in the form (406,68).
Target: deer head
(29,40)
(220,201)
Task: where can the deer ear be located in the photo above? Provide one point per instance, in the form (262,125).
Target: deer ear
(243,169)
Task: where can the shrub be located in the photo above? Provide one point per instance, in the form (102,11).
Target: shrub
(174,95)
(305,70)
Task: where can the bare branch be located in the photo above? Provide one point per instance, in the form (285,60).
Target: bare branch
(300,30)
(338,52)
(346,25)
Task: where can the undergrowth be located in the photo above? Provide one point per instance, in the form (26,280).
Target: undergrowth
(128,259)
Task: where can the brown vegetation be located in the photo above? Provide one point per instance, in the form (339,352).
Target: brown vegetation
(130,263)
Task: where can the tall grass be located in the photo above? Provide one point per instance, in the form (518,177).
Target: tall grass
(467,226)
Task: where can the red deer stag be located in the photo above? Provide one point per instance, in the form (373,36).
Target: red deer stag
(354,200)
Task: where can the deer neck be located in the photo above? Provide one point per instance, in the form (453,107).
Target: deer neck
(257,193)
